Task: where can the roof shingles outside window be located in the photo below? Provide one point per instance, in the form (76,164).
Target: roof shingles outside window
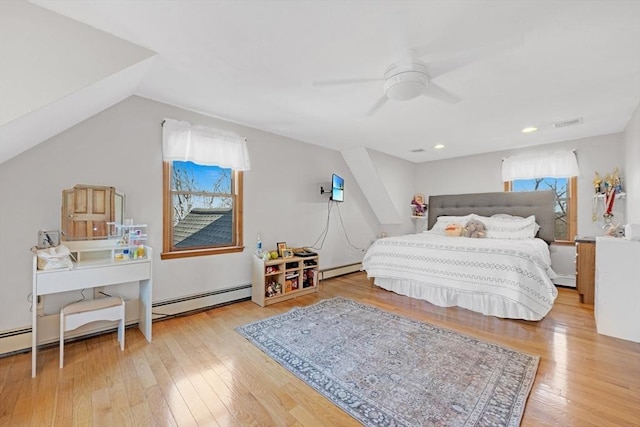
(204,227)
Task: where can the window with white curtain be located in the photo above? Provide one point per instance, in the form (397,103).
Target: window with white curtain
(554,171)
(202,184)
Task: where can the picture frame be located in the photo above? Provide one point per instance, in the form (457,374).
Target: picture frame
(281,247)
(287,253)
(419,198)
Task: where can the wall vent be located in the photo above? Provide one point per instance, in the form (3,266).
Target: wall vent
(418,150)
(566,123)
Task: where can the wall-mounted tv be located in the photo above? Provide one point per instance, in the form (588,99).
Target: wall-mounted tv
(337,188)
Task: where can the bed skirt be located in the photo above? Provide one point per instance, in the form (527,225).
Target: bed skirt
(491,305)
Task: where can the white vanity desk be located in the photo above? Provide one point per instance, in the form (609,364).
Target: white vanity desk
(96,267)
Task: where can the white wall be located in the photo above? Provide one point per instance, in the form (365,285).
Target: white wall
(631,177)
(482,173)
(399,177)
(121,146)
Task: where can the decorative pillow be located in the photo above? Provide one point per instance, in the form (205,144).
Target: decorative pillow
(501,227)
(453,230)
(443,221)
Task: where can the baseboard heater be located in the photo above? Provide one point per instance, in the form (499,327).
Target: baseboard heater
(200,302)
(328,273)
(19,340)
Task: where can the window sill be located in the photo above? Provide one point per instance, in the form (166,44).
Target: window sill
(201,252)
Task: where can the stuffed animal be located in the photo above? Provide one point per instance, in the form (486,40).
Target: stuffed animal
(453,230)
(475,229)
(614,231)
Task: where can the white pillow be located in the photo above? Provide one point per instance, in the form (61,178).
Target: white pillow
(443,221)
(508,216)
(501,227)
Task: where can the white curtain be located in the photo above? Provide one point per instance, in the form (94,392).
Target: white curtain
(202,145)
(559,164)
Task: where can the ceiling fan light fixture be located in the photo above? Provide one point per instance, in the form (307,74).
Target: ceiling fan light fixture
(402,84)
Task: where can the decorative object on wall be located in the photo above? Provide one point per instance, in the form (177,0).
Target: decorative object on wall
(418,205)
(608,189)
(384,369)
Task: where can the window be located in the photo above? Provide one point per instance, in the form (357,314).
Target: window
(566,201)
(202,210)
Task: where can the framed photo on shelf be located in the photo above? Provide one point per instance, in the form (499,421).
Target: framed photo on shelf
(419,198)
(287,253)
(281,247)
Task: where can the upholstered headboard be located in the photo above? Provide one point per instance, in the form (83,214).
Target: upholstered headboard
(520,203)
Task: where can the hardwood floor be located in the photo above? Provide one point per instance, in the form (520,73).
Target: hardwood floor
(199,371)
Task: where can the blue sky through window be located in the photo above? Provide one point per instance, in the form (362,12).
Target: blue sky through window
(545,184)
(204,177)
(559,185)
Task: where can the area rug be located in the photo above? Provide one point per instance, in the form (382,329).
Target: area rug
(388,370)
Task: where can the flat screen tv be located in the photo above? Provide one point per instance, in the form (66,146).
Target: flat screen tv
(337,188)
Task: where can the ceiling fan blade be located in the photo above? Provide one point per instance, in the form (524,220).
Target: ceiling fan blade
(434,91)
(342,81)
(377,105)
(437,68)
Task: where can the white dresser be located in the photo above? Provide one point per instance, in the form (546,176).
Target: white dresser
(617,293)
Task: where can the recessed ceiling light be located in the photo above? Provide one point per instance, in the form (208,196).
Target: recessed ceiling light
(438,146)
(529,129)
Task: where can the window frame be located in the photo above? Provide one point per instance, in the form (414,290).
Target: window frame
(572,207)
(168,251)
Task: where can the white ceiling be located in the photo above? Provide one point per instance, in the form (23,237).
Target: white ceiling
(253,62)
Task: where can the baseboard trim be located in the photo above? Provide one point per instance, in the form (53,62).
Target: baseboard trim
(565,280)
(19,340)
(330,272)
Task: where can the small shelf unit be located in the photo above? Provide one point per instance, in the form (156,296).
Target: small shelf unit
(129,240)
(283,278)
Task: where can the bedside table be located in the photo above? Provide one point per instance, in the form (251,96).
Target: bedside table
(586,268)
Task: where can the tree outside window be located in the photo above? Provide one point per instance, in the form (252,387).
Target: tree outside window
(202,211)
(565,206)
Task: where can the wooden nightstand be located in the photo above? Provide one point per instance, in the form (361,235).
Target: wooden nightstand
(586,268)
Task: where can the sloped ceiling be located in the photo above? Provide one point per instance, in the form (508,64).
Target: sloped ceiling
(255,63)
(56,72)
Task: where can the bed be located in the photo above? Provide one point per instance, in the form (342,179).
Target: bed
(504,275)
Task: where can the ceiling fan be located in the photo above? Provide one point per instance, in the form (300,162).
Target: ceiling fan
(412,77)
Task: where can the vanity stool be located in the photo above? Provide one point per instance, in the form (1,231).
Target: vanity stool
(80,313)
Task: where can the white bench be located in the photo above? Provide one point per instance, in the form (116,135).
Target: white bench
(80,313)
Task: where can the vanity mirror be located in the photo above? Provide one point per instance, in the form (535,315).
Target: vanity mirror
(86,210)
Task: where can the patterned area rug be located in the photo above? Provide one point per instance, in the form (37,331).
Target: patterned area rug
(388,370)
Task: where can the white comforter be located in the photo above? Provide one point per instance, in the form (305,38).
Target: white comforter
(503,278)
